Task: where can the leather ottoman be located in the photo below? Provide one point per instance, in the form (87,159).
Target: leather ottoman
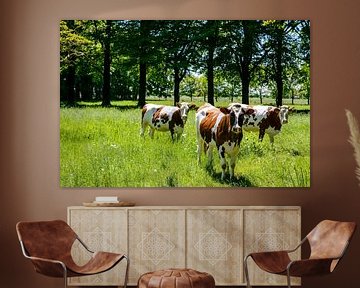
(176,278)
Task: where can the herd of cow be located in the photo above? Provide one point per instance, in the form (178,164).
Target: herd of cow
(216,127)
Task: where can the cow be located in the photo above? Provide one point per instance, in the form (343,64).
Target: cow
(165,118)
(220,128)
(265,119)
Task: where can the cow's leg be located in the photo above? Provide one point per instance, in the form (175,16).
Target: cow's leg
(222,161)
(143,128)
(200,149)
(261,134)
(271,138)
(172,133)
(209,153)
(151,132)
(232,165)
(179,132)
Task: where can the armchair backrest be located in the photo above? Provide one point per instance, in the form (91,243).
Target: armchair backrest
(329,239)
(46,239)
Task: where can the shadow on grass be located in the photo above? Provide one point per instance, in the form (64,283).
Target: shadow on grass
(236,181)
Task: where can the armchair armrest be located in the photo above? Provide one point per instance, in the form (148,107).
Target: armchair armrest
(83,244)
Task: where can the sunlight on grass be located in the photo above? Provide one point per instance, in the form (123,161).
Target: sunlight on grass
(101,147)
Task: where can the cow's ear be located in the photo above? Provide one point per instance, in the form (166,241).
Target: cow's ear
(192,106)
(224,110)
(248,111)
(276,110)
(178,104)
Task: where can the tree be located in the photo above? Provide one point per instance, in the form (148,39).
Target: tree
(73,48)
(305,81)
(211,36)
(143,47)
(260,82)
(281,51)
(70,77)
(243,47)
(178,40)
(159,81)
(107,63)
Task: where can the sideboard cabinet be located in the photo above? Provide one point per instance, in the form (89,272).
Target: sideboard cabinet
(211,239)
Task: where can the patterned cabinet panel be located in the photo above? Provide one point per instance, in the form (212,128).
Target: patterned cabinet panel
(209,239)
(271,229)
(214,244)
(101,230)
(156,240)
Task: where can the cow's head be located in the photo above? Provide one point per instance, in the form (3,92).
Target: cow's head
(236,113)
(284,114)
(184,110)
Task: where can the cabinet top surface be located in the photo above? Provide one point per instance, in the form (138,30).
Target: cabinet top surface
(192,207)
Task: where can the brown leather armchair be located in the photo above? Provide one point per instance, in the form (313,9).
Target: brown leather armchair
(328,242)
(48,245)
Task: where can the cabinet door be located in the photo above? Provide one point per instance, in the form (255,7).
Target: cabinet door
(267,230)
(156,240)
(214,244)
(101,230)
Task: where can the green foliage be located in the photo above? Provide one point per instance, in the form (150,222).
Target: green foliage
(101,147)
(176,52)
(74,46)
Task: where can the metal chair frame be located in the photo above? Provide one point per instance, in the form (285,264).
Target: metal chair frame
(23,249)
(288,276)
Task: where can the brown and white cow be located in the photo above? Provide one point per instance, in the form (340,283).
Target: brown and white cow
(220,128)
(165,118)
(265,119)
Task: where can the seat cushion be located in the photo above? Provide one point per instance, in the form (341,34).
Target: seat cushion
(176,278)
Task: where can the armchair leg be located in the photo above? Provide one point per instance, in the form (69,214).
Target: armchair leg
(65,276)
(127,271)
(288,279)
(246,272)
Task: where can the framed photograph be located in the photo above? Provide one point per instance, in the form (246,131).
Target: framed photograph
(185,103)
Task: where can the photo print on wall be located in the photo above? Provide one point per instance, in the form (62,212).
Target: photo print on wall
(184,103)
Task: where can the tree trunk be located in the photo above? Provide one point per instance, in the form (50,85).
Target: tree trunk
(279,87)
(86,88)
(71,74)
(142,85)
(279,67)
(211,41)
(210,75)
(176,85)
(70,83)
(107,63)
(245,83)
(144,35)
(246,60)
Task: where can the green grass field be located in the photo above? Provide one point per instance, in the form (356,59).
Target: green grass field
(101,147)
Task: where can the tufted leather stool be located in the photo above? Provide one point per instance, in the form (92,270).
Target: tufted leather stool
(176,278)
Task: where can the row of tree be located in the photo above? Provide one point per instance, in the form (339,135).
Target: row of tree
(130,59)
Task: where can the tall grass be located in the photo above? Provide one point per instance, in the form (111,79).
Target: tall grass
(101,147)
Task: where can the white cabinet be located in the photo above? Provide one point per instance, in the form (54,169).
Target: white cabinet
(210,239)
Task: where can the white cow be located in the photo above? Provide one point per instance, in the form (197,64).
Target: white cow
(165,118)
(265,119)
